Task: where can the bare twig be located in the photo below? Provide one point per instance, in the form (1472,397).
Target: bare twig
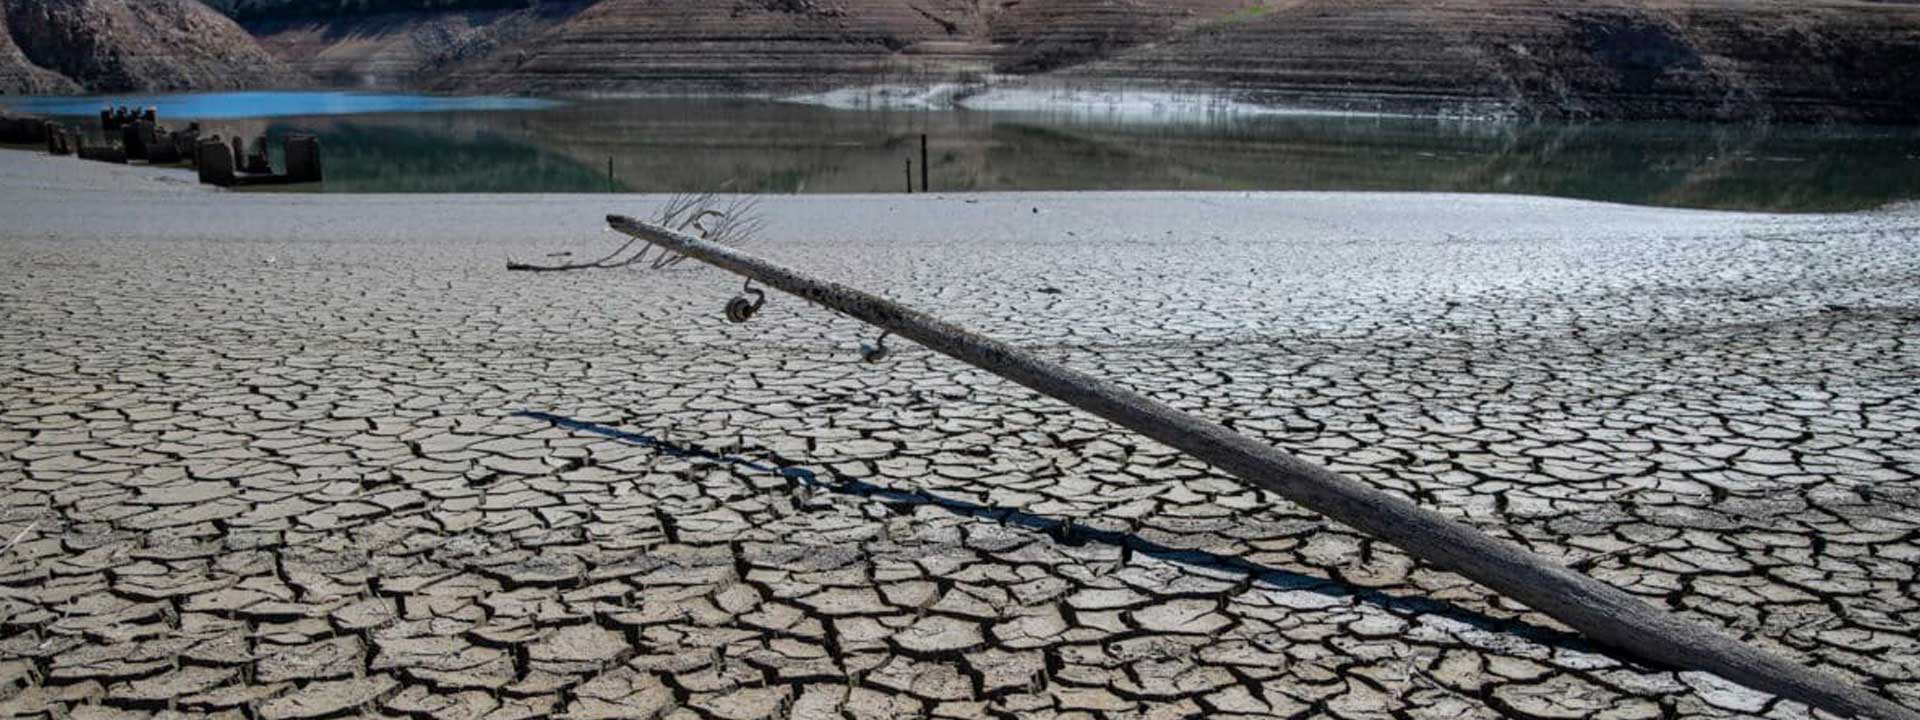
(698,214)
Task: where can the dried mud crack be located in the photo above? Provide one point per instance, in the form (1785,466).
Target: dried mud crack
(376,477)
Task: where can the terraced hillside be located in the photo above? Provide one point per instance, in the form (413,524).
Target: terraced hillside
(758,45)
(1811,60)
(61,46)
(403,49)
(1817,60)
(1849,60)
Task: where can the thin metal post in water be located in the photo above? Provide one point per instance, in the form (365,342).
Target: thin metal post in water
(909,176)
(1602,612)
(924,173)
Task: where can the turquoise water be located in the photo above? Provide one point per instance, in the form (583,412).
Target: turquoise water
(411,143)
(235,105)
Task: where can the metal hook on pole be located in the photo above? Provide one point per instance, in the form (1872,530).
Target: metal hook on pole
(740,309)
(876,352)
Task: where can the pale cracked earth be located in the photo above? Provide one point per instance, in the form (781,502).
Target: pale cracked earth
(283,457)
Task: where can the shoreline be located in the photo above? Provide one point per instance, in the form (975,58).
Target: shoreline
(1144,100)
(62,196)
(72,174)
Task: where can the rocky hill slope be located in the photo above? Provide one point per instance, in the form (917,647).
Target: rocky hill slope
(1804,60)
(1793,60)
(403,49)
(679,46)
(59,46)
(1705,59)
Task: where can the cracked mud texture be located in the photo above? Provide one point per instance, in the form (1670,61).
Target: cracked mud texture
(283,457)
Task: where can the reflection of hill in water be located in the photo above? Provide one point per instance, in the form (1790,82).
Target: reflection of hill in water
(376,155)
(660,146)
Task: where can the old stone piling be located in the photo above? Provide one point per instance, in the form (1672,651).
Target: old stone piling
(184,142)
(22,130)
(255,161)
(303,158)
(57,141)
(134,134)
(135,137)
(105,152)
(215,162)
(161,150)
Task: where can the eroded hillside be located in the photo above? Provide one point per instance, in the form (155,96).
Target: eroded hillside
(1804,60)
(57,46)
(1847,60)
(1807,61)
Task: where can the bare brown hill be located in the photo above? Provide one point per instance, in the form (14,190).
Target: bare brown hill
(1708,59)
(1805,60)
(1799,60)
(789,45)
(129,45)
(403,49)
(746,46)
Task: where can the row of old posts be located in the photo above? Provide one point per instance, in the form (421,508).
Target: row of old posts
(237,163)
(135,135)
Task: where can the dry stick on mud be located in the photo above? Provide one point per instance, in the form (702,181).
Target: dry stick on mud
(1601,611)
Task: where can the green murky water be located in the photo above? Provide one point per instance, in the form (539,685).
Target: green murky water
(397,143)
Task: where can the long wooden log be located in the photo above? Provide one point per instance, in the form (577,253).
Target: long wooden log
(1602,612)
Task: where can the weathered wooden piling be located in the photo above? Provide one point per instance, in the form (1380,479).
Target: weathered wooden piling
(303,158)
(925,174)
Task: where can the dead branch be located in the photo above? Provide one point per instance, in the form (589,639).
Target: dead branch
(700,215)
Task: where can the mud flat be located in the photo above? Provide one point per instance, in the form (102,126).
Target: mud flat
(305,455)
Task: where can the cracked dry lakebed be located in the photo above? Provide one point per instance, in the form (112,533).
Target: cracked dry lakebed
(298,456)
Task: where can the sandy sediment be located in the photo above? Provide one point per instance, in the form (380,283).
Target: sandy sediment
(313,454)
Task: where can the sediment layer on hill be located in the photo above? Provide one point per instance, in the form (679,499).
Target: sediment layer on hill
(1821,60)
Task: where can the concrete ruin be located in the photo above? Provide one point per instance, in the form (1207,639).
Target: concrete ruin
(107,152)
(22,130)
(132,134)
(303,158)
(58,142)
(134,137)
(255,161)
(215,162)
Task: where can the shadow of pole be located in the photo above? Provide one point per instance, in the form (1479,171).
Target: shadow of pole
(1066,532)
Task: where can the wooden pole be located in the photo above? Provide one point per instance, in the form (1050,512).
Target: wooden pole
(609,173)
(924,172)
(1603,612)
(909,176)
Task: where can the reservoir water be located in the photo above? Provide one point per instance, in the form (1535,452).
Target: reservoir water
(415,143)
